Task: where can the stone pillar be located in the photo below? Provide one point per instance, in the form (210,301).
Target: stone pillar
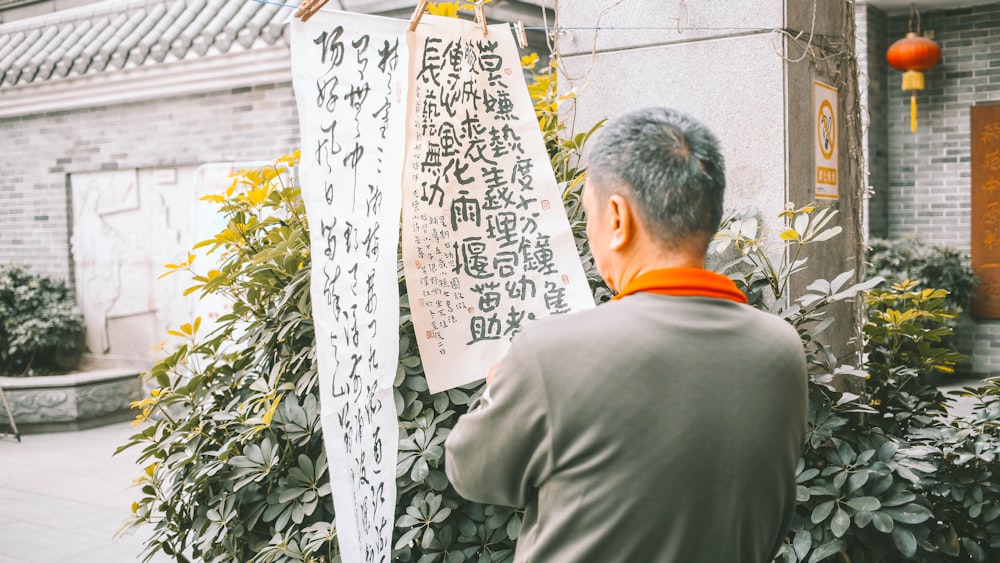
(746,69)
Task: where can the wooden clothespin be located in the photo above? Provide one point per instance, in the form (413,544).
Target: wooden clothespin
(481,16)
(308,8)
(417,14)
(521,35)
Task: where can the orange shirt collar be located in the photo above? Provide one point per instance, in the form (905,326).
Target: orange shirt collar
(689,282)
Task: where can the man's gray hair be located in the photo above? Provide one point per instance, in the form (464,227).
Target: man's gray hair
(669,165)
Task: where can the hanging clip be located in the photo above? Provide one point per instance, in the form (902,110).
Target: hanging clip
(520,34)
(417,14)
(308,8)
(481,16)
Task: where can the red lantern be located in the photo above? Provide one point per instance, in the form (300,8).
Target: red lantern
(913,54)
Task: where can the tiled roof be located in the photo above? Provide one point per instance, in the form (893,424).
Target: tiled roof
(118,34)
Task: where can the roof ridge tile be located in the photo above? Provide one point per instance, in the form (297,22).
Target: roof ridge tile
(83,63)
(148,43)
(38,58)
(184,19)
(193,31)
(120,34)
(131,41)
(48,66)
(86,11)
(64,66)
(7,64)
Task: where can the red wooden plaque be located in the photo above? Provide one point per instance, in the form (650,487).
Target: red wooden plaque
(985,164)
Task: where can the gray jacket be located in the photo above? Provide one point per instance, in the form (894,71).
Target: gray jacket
(651,429)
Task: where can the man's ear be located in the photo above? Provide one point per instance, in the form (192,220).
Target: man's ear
(621,220)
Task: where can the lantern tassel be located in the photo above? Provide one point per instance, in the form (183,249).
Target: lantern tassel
(913,113)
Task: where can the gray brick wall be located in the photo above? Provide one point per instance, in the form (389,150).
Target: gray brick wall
(874,77)
(927,185)
(41,151)
(928,188)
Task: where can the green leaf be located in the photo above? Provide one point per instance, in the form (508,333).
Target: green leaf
(909,514)
(420,470)
(514,527)
(441,515)
(821,511)
(801,494)
(407,537)
(869,504)
(863,518)
(899,498)
(826,550)
(840,523)
(801,543)
(973,549)
(904,541)
(428,538)
(857,480)
(882,522)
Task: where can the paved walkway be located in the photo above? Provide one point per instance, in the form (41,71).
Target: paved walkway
(63,496)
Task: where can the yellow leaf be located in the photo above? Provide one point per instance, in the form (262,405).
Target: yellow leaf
(214,198)
(790,234)
(175,333)
(289,158)
(269,415)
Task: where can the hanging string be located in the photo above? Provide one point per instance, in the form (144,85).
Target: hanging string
(914,14)
(552,31)
(679,27)
(812,33)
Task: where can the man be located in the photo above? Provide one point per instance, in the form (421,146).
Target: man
(664,426)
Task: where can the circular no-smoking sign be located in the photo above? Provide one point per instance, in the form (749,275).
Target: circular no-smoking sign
(826,129)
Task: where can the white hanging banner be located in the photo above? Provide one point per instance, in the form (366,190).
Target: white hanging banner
(350,74)
(445,112)
(486,243)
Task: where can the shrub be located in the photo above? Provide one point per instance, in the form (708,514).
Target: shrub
(40,327)
(930,266)
(960,460)
(885,476)
(853,489)
(907,341)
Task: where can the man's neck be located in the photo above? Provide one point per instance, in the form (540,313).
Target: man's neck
(639,265)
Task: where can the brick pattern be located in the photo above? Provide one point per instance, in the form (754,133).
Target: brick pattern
(927,191)
(929,170)
(41,152)
(874,76)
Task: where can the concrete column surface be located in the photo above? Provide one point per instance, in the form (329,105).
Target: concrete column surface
(747,69)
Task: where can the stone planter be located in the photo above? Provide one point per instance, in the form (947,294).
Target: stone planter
(100,393)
